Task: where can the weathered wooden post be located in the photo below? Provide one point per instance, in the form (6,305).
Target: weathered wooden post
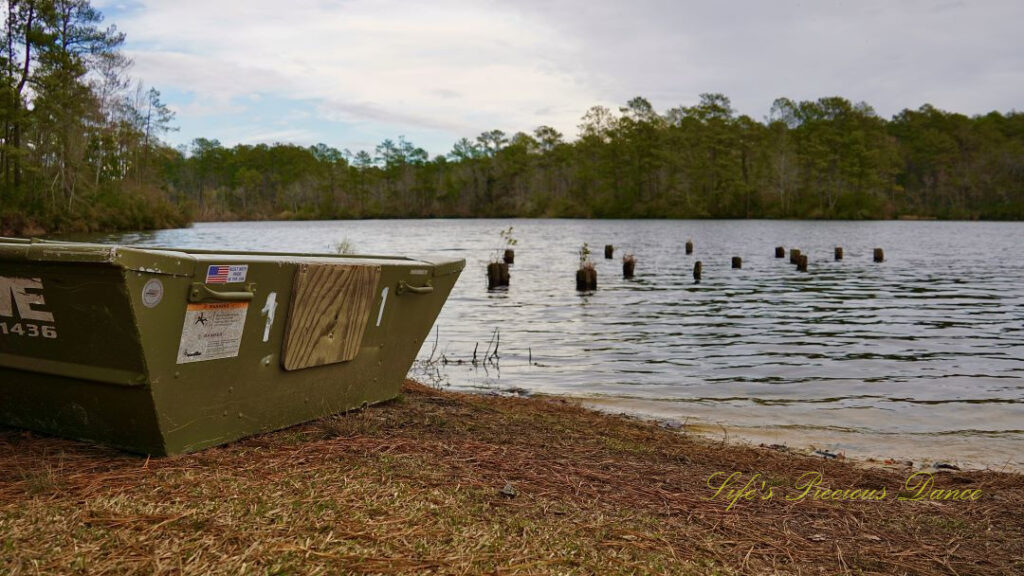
(689,247)
(497,275)
(794,256)
(697,268)
(780,252)
(510,256)
(737,262)
(628,265)
(586,278)
(801,265)
(609,250)
(839,253)
(586,275)
(879,255)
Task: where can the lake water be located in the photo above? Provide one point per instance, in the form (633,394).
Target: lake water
(920,357)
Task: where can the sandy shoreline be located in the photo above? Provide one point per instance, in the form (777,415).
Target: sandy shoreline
(968,452)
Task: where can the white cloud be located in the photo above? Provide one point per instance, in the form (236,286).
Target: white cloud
(274,136)
(890,53)
(457,68)
(454,66)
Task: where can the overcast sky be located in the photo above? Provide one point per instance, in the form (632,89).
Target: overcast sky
(351,73)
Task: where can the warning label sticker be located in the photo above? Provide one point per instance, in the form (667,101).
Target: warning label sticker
(212,331)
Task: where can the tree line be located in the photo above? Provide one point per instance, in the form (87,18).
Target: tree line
(826,158)
(82,149)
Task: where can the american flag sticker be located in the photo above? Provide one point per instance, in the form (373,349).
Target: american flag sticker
(226,274)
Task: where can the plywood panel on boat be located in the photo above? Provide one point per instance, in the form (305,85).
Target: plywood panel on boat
(329,311)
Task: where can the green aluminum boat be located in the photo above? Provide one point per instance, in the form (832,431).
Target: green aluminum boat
(163,351)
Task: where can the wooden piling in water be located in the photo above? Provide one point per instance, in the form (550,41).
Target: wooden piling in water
(737,262)
(609,251)
(780,252)
(879,255)
(801,264)
(697,269)
(586,278)
(839,253)
(689,247)
(510,256)
(628,266)
(497,275)
(794,256)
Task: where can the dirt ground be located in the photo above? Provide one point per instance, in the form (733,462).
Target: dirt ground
(444,483)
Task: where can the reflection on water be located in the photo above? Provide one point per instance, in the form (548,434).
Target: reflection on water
(922,354)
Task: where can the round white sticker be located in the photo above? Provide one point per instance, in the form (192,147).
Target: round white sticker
(152,293)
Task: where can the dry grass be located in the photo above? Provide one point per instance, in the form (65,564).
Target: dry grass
(415,486)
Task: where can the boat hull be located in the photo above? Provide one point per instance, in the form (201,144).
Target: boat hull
(162,351)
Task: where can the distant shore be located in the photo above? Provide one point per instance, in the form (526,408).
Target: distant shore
(451,483)
(33,228)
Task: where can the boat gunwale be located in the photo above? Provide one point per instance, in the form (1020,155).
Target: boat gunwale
(37,250)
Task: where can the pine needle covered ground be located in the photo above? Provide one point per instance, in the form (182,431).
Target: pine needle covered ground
(438,482)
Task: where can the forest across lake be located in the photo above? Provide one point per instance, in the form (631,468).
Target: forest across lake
(822,159)
(83,149)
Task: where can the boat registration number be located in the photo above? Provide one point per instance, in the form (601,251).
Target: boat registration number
(21,300)
(28,330)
